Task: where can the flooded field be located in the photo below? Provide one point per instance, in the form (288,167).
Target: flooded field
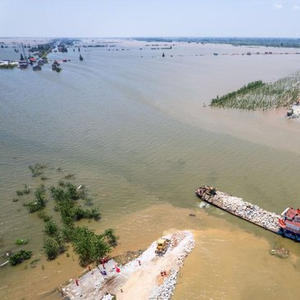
(131,125)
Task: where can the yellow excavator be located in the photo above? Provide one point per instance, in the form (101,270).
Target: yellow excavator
(162,246)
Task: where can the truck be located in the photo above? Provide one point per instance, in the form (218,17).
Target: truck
(162,246)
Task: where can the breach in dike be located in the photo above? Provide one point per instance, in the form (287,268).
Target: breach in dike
(287,224)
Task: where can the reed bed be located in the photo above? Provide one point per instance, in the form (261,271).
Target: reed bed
(261,96)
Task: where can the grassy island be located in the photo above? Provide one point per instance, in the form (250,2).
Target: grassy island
(258,95)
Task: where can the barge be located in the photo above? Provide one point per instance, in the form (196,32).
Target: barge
(287,224)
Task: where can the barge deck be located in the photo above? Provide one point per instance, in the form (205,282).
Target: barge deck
(287,224)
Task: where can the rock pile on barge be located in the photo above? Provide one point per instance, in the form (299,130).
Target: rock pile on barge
(286,224)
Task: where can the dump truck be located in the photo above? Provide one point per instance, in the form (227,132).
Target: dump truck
(162,246)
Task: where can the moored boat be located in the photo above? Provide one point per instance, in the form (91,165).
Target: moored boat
(55,66)
(37,68)
(23,64)
(287,224)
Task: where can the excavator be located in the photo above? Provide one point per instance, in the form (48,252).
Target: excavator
(162,246)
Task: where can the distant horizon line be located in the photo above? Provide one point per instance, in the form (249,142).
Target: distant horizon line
(161,37)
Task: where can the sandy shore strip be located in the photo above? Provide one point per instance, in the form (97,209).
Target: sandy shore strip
(147,277)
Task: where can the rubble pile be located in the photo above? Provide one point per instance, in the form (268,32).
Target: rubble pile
(247,211)
(186,241)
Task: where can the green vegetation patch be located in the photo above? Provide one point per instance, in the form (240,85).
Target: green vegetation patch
(258,95)
(25,191)
(8,66)
(65,197)
(21,242)
(40,200)
(37,169)
(52,248)
(89,246)
(20,257)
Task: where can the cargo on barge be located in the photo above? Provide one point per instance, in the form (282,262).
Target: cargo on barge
(287,224)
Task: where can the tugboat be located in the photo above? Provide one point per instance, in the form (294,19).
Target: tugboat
(290,224)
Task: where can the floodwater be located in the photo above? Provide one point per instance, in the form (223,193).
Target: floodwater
(131,125)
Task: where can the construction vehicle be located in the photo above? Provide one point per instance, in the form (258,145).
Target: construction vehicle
(162,246)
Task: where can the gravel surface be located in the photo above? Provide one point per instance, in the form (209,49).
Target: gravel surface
(139,279)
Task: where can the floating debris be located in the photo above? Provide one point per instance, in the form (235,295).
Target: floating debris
(280,252)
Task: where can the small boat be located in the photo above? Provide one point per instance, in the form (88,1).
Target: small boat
(41,62)
(23,64)
(37,68)
(80,57)
(55,67)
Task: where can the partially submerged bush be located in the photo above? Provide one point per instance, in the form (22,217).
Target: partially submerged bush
(65,198)
(79,213)
(70,176)
(21,242)
(61,183)
(51,228)
(66,195)
(36,170)
(51,248)
(20,257)
(43,215)
(110,236)
(25,191)
(40,200)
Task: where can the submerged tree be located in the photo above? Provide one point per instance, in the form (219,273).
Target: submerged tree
(110,236)
(89,246)
(51,248)
(40,200)
(19,257)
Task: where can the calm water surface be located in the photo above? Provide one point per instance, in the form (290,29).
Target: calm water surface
(132,127)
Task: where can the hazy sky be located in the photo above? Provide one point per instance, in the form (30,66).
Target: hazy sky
(133,18)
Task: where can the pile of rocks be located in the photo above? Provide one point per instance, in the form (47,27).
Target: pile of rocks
(185,241)
(109,297)
(247,211)
(165,291)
